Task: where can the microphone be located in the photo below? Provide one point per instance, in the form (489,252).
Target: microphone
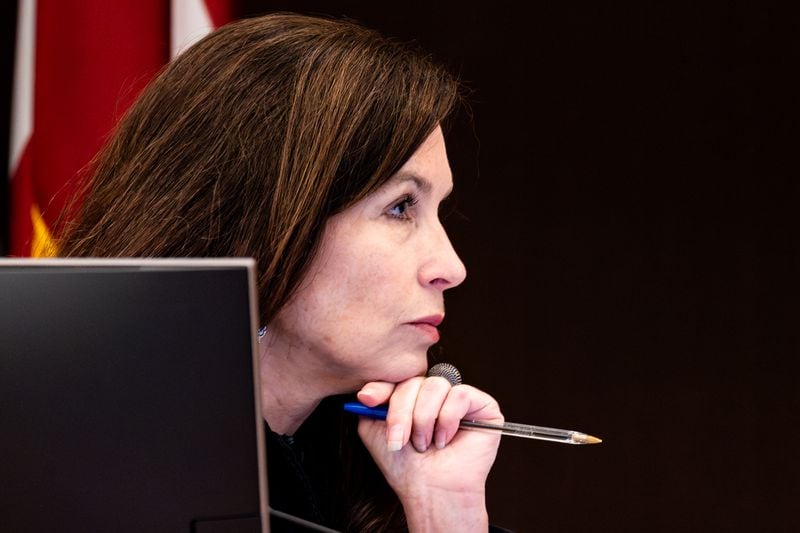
(446,371)
(451,374)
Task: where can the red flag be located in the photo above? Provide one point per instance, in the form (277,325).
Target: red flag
(79,66)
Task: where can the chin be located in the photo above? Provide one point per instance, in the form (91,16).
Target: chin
(412,366)
(399,368)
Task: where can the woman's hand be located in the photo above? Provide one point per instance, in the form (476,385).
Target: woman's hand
(438,472)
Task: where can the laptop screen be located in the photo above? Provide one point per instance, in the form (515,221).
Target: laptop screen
(128,396)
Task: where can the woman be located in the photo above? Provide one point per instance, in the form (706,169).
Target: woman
(315,146)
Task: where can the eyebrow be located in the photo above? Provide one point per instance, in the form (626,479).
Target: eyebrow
(422,184)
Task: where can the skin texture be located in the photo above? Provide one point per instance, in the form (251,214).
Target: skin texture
(363,319)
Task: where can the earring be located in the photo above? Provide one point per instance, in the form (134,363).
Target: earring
(261,332)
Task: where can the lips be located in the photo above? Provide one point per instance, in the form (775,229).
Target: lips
(428,325)
(433,320)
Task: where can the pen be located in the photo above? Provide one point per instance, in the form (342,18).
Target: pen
(565,436)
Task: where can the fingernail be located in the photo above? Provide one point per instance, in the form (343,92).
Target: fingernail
(420,444)
(395,438)
(440,439)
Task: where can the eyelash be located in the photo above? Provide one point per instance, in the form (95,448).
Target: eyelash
(407,201)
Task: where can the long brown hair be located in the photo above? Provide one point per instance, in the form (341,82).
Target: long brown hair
(249,141)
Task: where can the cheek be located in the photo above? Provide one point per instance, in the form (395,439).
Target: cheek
(372,285)
(362,285)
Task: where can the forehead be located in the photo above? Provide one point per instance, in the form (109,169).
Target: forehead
(428,167)
(431,153)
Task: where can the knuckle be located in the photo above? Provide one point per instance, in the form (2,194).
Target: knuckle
(460,393)
(436,383)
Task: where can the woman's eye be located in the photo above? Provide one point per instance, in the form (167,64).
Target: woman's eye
(400,209)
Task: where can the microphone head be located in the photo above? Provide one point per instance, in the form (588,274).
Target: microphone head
(446,371)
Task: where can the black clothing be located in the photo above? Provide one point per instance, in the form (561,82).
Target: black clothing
(303,469)
(323,472)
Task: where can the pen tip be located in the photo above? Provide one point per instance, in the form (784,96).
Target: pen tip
(582,438)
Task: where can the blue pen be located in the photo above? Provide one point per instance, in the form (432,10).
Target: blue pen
(508,428)
(358,408)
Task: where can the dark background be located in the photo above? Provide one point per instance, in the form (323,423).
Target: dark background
(627,212)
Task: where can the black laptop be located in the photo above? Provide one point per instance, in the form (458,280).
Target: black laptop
(128,397)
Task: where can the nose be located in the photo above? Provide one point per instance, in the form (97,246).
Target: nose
(442,269)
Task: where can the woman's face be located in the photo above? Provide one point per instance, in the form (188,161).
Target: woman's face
(368,308)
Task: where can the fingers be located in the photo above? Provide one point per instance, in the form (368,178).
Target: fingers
(430,398)
(399,418)
(464,401)
(428,411)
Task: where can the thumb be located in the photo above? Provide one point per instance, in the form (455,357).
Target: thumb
(375,393)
